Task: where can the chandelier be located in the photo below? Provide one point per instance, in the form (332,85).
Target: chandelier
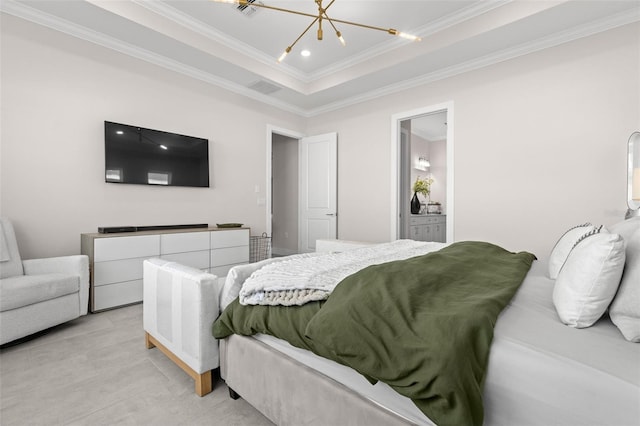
(319,17)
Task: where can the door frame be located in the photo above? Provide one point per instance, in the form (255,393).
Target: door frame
(269,152)
(396,166)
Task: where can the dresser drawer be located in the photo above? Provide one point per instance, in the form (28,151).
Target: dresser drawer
(106,249)
(220,239)
(418,220)
(435,219)
(229,256)
(112,295)
(184,242)
(195,259)
(116,271)
(425,220)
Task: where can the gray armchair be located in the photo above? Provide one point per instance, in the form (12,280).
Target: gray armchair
(39,293)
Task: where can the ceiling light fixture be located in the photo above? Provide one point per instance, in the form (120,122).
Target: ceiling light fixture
(322,15)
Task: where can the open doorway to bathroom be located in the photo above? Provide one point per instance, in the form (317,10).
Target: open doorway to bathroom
(422,148)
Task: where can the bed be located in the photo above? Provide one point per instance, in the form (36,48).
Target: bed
(540,371)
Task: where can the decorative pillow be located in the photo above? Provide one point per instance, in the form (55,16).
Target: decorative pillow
(589,278)
(625,309)
(564,245)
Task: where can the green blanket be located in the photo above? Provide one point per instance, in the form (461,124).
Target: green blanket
(423,325)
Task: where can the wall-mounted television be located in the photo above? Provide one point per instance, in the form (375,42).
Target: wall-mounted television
(152,157)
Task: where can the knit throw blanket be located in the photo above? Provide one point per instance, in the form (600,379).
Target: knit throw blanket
(299,280)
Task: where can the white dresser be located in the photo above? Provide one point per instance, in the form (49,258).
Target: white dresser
(115,260)
(430,227)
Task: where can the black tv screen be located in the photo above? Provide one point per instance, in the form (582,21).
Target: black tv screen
(152,157)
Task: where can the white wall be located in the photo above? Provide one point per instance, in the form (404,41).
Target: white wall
(56,93)
(539,146)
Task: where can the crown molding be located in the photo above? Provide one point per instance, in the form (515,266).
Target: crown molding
(585,30)
(425,136)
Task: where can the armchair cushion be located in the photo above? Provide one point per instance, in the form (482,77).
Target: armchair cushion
(67,265)
(23,290)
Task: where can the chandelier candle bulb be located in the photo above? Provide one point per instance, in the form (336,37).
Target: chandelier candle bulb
(284,54)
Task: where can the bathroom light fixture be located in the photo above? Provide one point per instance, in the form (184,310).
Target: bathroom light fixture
(633,176)
(319,17)
(422,164)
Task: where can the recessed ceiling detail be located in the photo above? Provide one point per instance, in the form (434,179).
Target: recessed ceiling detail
(220,46)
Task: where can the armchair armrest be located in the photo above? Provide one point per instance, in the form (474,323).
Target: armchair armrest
(71,265)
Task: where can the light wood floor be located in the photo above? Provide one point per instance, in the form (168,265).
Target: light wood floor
(96,370)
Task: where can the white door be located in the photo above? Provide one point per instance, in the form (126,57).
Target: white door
(318,190)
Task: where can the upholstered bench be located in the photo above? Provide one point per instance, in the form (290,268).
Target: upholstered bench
(180,304)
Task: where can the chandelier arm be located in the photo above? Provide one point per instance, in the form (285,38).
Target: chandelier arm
(330,21)
(304,32)
(328,6)
(371,27)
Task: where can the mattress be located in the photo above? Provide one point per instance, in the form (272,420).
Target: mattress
(540,371)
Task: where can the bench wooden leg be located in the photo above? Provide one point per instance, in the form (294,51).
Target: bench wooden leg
(147,341)
(203,382)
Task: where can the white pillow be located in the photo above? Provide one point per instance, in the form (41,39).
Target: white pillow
(589,279)
(564,245)
(625,309)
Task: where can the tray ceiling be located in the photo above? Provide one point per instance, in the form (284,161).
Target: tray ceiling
(216,43)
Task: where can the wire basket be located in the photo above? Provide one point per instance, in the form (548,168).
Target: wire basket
(259,248)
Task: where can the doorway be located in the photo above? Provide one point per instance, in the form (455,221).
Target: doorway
(301,190)
(284,195)
(422,147)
